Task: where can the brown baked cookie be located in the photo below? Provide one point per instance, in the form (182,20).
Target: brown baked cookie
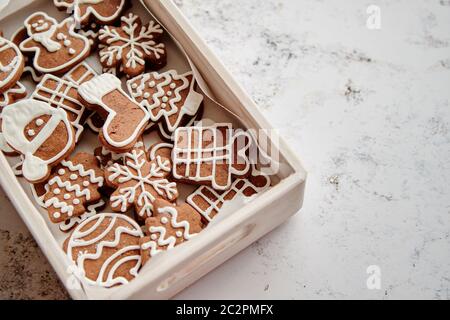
(100,11)
(41,133)
(91,210)
(170,226)
(125,119)
(105,249)
(63,94)
(140,181)
(80,74)
(133,46)
(208,202)
(57,48)
(73,184)
(12,63)
(210,155)
(161,149)
(169,97)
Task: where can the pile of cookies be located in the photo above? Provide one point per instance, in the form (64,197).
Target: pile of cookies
(122,104)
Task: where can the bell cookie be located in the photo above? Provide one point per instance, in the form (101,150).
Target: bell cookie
(12,63)
(170,226)
(210,155)
(125,119)
(133,46)
(140,181)
(208,202)
(105,250)
(56,46)
(73,184)
(62,94)
(91,210)
(169,97)
(41,133)
(85,11)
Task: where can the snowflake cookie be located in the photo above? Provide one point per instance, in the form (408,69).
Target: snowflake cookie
(170,226)
(140,181)
(73,184)
(12,63)
(105,250)
(131,45)
(169,97)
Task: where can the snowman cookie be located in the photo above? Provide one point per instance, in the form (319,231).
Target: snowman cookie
(42,134)
(56,46)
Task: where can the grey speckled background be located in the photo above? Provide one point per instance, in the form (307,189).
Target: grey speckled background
(368,112)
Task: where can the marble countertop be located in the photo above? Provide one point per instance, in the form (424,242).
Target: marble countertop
(366,106)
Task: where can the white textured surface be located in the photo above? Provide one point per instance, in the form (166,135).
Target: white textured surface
(369,114)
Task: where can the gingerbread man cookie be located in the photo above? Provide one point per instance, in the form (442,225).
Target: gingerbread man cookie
(12,63)
(73,184)
(210,155)
(84,11)
(125,119)
(170,226)
(169,97)
(105,250)
(132,46)
(41,133)
(140,181)
(56,46)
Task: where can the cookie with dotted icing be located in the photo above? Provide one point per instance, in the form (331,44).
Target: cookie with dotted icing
(12,63)
(170,226)
(210,155)
(57,48)
(105,250)
(169,97)
(43,135)
(139,182)
(133,46)
(73,184)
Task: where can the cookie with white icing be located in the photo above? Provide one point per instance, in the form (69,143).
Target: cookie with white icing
(125,119)
(12,63)
(105,250)
(41,133)
(133,46)
(73,184)
(170,225)
(56,46)
(91,210)
(169,97)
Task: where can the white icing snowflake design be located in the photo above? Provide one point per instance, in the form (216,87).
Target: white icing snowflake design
(131,44)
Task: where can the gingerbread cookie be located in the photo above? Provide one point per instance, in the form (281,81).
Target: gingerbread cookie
(105,249)
(170,226)
(91,210)
(208,201)
(84,11)
(210,155)
(80,74)
(62,94)
(41,133)
(169,97)
(140,182)
(133,46)
(17,38)
(73,184)
(125,119)
(12,63)
(161,149)
(17,92)
(56,46)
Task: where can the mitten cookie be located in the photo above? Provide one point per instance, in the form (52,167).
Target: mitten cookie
(208,201)
(101,11)
(12,63)
(140,182)
(133,46)
(73,184)
(56,46)
(62,94)
(170,226)
(41,133)
(125,119)
(169,97)
(210,155)
(105,249)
